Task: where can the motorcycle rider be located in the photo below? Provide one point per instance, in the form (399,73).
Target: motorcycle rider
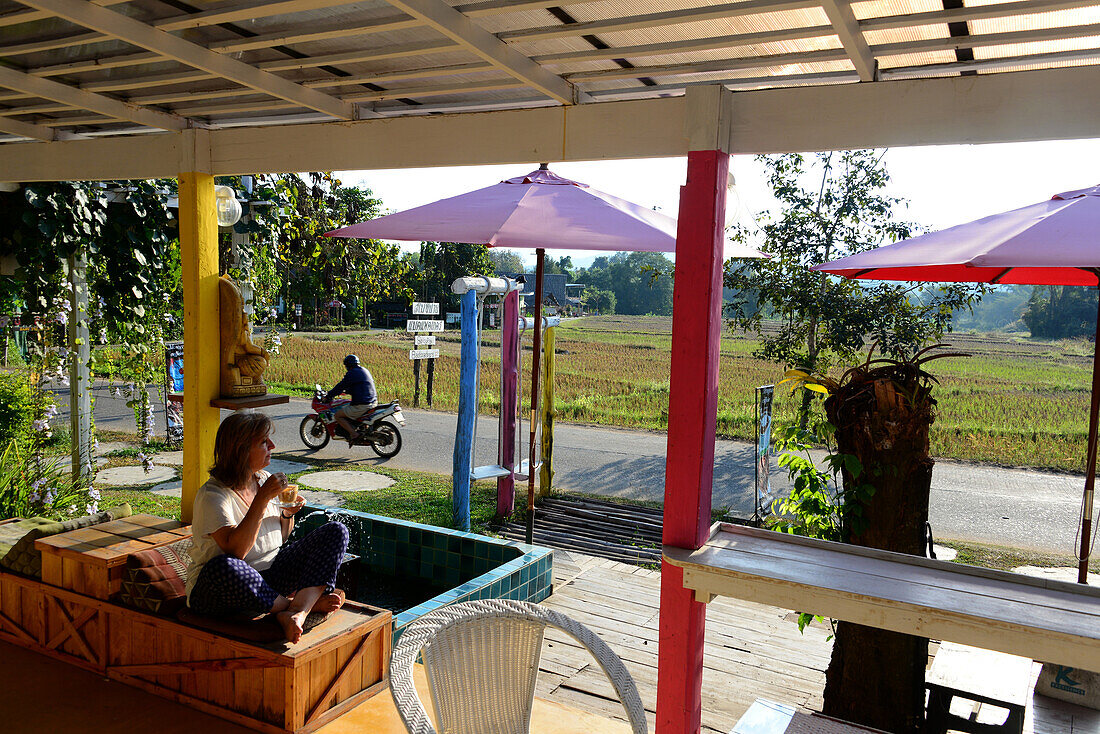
(359,384)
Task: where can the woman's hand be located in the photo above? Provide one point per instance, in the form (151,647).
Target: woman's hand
(290,511)
(270,489)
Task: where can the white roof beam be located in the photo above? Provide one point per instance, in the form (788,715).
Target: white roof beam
(694,44)
(96,64)
(748,62)
(145,82)
(652,20)
(434,91)
(490,7)
(289,38)
(844,21)
(162,42)
(734,84)
(246,11)
(27,130)
(979,12)
(1000,64)
(987,39)
(456,26)
(391,76)
(81,99)
(27,16)
(371,54)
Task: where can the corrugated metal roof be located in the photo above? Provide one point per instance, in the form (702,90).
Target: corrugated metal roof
(376,56)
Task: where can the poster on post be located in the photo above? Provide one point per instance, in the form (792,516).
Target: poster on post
(764,396)
(173,391)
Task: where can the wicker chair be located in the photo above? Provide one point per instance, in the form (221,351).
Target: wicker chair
(482,659)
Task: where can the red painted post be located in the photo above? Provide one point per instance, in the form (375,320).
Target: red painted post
(693,406)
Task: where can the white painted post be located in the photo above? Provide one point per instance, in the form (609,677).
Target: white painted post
(80,376)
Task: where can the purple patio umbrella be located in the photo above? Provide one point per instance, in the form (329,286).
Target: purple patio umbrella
(1050,243)
(539,210)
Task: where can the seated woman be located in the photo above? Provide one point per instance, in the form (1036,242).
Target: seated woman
(241,563)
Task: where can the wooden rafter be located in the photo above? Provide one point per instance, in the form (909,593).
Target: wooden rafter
(170,46)
(454,25)
(81,99)
(847,30)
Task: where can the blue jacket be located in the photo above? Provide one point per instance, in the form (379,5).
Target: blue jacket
(358,384)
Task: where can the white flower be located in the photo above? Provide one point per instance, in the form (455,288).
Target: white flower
(94,494)
(51,495)
(103,336)
(34,497)
(91,508)
(62,317)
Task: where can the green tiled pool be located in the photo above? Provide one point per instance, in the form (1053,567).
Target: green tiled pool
(412,569)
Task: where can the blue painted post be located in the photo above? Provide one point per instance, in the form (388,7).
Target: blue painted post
(467,414)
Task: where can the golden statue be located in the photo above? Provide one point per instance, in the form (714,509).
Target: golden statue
(242,362)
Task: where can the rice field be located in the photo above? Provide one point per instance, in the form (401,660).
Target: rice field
(1014,402)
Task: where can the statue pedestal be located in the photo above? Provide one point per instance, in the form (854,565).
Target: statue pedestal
(250,401)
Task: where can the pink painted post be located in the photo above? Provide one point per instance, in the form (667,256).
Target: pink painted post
(509,335)
(693,401)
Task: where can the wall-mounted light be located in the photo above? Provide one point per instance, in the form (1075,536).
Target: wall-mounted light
(229,209)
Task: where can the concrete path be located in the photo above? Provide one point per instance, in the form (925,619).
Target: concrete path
(1011,507)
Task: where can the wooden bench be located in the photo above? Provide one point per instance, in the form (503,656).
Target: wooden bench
(980,676)
(768,717)
(270,687)
(92,560)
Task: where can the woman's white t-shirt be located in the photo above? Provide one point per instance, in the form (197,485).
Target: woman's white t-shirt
(217,506)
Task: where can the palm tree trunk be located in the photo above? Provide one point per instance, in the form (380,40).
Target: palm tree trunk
(876,677)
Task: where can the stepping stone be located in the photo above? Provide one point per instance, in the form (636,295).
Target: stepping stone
(286,467)
(344,481)
(943,553)
(125,476)
(168,489)
(172,458)
(1056,574)
(67,466)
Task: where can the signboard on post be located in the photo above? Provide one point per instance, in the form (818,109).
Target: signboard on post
(423,353)
(764,396)
(423,325)
(425,309)
(424,341)
(454,317)
(173,391)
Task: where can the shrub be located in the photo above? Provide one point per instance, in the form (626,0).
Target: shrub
(39,488)
(16,406)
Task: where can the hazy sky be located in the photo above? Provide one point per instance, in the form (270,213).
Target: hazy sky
(945,185)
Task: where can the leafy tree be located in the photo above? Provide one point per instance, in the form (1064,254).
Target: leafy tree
(442,262)
(506,261)
(562,266)
(635,280)
(1061,311)
(600,301)
(830,207)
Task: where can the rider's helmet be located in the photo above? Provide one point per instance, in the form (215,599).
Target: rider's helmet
(351,361)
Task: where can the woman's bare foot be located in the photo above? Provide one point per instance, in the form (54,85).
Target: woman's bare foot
(329,602)
(291,622)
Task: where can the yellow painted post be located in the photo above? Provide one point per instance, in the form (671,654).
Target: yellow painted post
(546,473)
(199,252)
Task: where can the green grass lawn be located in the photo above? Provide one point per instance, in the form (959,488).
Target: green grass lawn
(1014,401)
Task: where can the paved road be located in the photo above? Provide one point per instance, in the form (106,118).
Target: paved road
(1015,508)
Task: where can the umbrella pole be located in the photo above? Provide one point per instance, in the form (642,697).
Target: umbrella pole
(1090,468)
(540,255)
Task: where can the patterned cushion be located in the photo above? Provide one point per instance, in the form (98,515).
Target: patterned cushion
(156,579)
(17,551)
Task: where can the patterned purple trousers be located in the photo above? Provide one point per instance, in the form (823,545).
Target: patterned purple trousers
(229,587)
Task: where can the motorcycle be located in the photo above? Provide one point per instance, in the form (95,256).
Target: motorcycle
(374,429)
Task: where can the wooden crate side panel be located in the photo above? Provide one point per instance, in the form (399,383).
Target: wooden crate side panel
(75,630)
(23,621)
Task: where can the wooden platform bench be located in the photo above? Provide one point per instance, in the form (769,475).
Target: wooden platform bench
(269,687)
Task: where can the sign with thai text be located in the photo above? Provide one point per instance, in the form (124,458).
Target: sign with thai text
(425,309)
(423,353)
(424,341)
(423,325)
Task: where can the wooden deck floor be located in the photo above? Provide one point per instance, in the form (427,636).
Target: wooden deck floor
(752,651)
